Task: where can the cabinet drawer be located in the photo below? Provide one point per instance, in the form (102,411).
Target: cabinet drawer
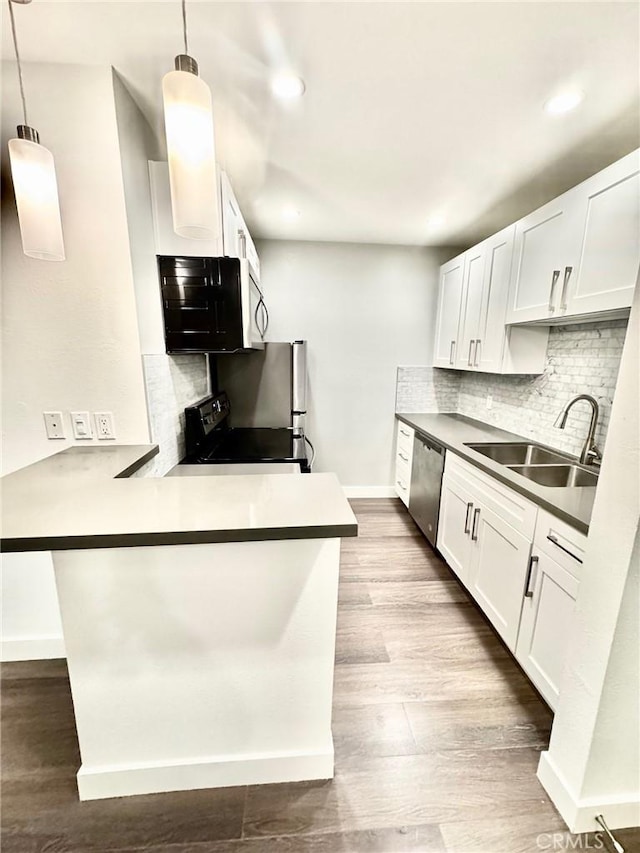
(403,457)
(405,439)
(512,507)
(403,482)
(561,542)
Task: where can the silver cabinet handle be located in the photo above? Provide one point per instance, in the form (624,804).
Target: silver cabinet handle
(453,347)
(563,297)
(404,432)
(466,518)
(553,539)
(242,237)
(402,486)
(528,589)
(476,357)
(474,527)
(402,456)
(554,281)
(470,359)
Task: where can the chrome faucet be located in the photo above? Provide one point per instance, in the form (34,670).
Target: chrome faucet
(590,452)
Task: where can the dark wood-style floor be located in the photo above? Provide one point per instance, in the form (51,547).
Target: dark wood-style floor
(437,735)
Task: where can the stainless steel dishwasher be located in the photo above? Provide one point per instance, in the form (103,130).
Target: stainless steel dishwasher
(426,480)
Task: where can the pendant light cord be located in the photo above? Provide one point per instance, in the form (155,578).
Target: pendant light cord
(15,45)
(184,25)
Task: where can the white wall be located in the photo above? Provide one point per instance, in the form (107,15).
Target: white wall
(69,330)
(364,309)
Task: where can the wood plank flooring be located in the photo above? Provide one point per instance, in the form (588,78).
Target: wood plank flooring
(437,735)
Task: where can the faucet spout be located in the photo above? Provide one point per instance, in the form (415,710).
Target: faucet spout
(590,453)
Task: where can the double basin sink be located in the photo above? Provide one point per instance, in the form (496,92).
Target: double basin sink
(536,463)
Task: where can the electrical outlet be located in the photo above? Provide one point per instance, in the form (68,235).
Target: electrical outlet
(489,401)
(81,425)
(104,425)
(54,424)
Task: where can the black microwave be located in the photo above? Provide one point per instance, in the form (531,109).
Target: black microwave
(211,305)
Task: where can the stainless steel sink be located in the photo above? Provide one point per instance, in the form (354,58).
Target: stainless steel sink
(558,476)
(522,453)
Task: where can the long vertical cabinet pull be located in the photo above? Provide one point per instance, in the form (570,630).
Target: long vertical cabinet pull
(453,347)
(476,357)
(466,519)
(533,562)
(563,297)
(554,281)
(474,528)
(470,359)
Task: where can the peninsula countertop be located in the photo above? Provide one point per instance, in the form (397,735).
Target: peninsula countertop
(574,504)
(82,498)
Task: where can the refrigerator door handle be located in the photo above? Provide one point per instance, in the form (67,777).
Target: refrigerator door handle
(299,377)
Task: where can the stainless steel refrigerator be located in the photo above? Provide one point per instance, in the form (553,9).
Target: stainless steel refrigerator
(266,388)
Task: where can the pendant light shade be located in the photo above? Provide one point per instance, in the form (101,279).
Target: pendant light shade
(36,190)
(188,117)
(34,181)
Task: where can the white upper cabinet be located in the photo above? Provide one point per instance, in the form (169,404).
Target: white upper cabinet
(448,317)
(473,280)
(578,255)
(471,333)
(609,216)
(167,241)
(542,251)
(237,240)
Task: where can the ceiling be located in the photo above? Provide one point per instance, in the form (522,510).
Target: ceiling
(413,111)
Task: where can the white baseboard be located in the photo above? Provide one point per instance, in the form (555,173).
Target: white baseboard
(224,771)
(579,814)
(32,648)
(369,491)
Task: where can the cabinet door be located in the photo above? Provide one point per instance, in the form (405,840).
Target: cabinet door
(543,250)
(610,240)
(499,561)
(454,530)
(545,627)
(166,239)
(492,333)
(474,263)
(448,316)
(232,221)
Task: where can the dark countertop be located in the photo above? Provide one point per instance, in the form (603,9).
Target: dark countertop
(80,498)
(573,504)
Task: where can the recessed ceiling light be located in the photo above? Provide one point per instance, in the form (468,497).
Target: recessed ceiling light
(563,103)
(287,86)
(290,213)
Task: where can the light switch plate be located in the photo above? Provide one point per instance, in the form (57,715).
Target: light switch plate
(81,425)
(54,424)
(104,426)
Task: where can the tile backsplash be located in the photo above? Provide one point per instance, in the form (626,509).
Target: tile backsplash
(581,359)
(172,382)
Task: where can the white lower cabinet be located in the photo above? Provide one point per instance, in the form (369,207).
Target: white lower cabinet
(520,564)
(484,533)
(499,561)
(454,543)
(404,459)
(549,600)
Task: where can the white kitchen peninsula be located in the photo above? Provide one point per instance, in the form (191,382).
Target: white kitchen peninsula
(199,617)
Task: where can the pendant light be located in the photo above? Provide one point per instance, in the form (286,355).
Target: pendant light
(34,182)
(188,118)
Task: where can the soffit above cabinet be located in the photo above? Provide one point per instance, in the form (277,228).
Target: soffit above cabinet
(450,124)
